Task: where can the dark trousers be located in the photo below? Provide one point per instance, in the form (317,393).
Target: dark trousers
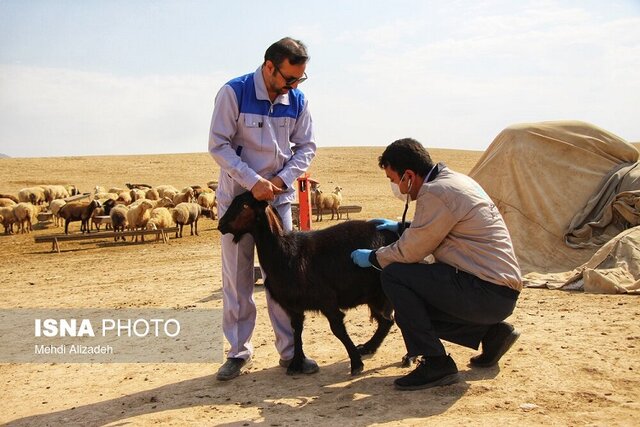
(437,301)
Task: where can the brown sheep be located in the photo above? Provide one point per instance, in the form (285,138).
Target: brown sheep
(10,197)
(118,217)
(78,211)
(185,197)
(4,202)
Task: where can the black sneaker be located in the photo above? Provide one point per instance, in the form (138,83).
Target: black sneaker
(233,367)
(309,366)
(430,372)
(498,340)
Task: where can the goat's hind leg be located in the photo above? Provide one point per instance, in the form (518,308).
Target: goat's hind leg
(384,319)
(336,321)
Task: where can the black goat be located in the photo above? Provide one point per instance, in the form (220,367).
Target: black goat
(313,271)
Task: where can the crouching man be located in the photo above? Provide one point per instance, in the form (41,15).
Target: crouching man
(473,280)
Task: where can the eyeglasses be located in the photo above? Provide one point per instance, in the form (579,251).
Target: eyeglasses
(289,81)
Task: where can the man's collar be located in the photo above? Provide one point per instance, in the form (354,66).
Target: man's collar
(261,89)
(436,171)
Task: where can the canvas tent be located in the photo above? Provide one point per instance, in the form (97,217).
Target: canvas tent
(564,189)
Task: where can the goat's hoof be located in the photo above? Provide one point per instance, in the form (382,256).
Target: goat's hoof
(357,370)
(307,367)
(407,361)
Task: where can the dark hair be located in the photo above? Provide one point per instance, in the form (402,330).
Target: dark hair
(406,153)
(287,48)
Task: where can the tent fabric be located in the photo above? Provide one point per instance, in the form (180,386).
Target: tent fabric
(541,176)
(613,269)
(611,210)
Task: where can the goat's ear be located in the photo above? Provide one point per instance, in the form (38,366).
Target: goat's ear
(275,224)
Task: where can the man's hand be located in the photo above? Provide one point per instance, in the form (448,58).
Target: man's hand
(265,190)
(386,224)
(278,182)
(360,257)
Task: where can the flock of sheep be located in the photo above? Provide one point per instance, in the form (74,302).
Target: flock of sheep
(138,207)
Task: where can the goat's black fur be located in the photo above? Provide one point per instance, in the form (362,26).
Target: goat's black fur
(313,271)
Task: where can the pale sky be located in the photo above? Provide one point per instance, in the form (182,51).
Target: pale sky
(135,77)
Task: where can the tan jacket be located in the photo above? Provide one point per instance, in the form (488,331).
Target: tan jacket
(457,223)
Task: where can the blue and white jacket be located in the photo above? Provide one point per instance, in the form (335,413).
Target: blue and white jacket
(250,137)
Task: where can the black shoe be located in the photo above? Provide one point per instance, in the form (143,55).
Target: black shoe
(498,340)
(233,367)
(309,366)
(430,372)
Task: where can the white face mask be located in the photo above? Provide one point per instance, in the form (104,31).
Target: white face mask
(395,189)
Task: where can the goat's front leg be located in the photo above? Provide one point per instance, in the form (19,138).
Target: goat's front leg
(297,322)
(336,321)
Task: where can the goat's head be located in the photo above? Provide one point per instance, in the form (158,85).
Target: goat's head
(242,216)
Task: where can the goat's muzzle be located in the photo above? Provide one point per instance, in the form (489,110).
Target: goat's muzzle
(224,228)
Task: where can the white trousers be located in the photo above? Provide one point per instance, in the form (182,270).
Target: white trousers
(238,305)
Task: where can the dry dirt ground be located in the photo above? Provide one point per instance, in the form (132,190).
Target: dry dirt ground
(575,363)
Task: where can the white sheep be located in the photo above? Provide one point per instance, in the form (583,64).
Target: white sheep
(160,218)
(185,214)
(105,196)
(137,194)
(138,216)
(124,197)
(328,201)
(53,192)
(7,218)
(99,215)
(54,207)
(208,201)
(164,202)
(26,214)
(72,189)
(166,190)
(34,195)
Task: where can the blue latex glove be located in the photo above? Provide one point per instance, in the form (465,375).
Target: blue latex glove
(360,257)
(386,224)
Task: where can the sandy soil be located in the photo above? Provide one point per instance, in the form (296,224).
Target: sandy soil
(575,363)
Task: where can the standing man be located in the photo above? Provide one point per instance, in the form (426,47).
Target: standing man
(262,138)
(470,285)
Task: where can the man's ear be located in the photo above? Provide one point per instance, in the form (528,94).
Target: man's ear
(269,65)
